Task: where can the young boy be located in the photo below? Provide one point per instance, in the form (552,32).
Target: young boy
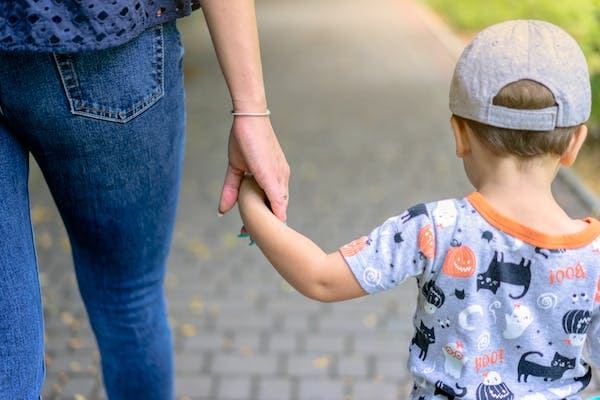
(514,278)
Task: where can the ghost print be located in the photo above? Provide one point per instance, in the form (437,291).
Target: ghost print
(517,321)
(454,359)
(445,214)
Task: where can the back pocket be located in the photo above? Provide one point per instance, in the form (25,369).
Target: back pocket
(115,84)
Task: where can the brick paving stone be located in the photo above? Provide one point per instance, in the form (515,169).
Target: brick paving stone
(274,388)
(310,365)
(321,389)
(189,363)
(326,343)
(381,345)
(355,366)
(243,321)
(341,323)
(239,388)
(213,341)
(194,386)
(79,388)
(234,364)
(293,303)
(376,390)
(390,368)
(282,342)
(295,322)
(247,341)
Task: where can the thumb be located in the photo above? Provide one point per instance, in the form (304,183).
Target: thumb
(229,193)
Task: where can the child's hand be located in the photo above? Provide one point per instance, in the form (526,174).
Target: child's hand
(251,194)
(252,200)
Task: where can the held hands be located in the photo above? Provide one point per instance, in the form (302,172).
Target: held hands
(254,148)
(250,194)
(252,203)
(301,262)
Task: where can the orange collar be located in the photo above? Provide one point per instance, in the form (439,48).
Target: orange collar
(532,236)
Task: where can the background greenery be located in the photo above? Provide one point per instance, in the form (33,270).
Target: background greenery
(581,18)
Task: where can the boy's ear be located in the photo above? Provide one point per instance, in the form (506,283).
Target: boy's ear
(570,154)
(461,138)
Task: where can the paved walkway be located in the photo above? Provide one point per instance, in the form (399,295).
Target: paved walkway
(358,91)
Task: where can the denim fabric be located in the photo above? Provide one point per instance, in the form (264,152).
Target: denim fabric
(107,130)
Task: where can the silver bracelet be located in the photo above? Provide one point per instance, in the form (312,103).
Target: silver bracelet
(251,114)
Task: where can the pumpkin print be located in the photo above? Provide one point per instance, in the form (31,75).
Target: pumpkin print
(460,262)
(493,388)
(575,324)
(426,241)
(354,247)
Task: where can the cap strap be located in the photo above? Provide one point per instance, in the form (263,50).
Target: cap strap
(543,119)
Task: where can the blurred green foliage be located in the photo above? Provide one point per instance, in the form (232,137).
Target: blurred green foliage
(581,18)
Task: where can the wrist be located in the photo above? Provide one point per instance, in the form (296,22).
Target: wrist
(250,104)
(265,113)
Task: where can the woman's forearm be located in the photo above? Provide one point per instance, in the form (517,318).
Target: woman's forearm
(253,145)
(234,32)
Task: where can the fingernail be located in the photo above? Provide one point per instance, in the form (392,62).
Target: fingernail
(244,235)
(220,214)
(252,243)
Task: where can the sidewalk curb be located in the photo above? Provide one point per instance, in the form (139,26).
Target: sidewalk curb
(587,197)
(449,40)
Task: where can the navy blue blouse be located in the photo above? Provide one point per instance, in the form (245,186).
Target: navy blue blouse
(66,26)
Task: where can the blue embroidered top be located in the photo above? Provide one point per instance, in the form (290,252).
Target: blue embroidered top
(66,26)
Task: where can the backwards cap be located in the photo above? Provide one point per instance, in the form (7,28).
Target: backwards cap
(522,49)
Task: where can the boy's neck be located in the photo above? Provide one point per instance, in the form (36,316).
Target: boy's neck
(524,194)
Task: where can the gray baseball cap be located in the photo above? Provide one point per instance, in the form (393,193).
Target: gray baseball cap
(522,49)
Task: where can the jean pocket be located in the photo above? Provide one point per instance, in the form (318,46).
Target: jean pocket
(115,84)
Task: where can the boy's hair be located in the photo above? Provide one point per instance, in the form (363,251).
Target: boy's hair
(522,95)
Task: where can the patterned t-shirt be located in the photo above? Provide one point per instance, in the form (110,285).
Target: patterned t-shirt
(66,26)
(503,312)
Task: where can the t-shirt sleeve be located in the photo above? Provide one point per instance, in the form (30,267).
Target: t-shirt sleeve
(403,246)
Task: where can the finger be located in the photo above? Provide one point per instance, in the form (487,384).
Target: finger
(285,198)
(279,208)
(278,200)
(229,193)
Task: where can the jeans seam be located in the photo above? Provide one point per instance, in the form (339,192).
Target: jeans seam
(70,83)
(159,58)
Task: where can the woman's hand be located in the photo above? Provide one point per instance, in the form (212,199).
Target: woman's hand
(254,148)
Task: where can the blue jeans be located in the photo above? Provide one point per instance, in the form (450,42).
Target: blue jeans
(107,130)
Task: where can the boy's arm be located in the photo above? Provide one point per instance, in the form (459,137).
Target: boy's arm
(311,271)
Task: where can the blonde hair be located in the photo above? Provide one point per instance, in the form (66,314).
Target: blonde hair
(524,95)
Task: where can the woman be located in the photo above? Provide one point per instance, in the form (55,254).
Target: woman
(94,91)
